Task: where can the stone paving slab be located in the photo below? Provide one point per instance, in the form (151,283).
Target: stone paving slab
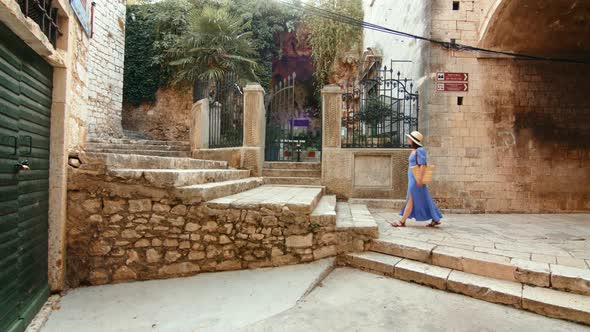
(548,302)
(554,239)
(355,217)
(295,198)
(444,248)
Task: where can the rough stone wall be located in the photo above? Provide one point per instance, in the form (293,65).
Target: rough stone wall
(105,70)
(130,231)
(168,118)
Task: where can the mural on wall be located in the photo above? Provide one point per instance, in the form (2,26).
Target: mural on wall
(82,10)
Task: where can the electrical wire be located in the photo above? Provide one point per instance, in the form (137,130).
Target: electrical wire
(324,13)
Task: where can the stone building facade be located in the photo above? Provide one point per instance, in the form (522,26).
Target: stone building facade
(517,140)
(106,54)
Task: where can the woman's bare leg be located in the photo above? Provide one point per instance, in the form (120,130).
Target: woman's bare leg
(407,210)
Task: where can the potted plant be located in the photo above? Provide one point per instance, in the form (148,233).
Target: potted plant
(287,153)
(311,152)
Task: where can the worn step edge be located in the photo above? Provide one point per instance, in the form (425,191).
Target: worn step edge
(324,213)
(116,160)
(155,153)
(134,141)
(547,302)
(180,177)
(489,265)
(210,191)
(379,203)
(295,173)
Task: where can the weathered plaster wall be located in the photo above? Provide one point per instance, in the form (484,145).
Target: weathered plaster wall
(168,118)
(106,52)
(404,15)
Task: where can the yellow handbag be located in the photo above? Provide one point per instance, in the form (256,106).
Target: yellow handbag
(428,172)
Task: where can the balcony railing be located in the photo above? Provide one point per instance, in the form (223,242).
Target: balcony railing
(44,15)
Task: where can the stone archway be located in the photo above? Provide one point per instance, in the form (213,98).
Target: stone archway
(551,28)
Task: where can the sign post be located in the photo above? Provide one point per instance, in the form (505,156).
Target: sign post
(452,82)
(452,87)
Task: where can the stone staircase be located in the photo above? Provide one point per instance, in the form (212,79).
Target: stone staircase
(547,289)
(292,173)
(139,147)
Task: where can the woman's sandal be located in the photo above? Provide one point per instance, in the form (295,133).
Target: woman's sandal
(398,224)
(433,224)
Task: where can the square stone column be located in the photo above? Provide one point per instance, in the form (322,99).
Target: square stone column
(331,116)
(254,129)
(199,130)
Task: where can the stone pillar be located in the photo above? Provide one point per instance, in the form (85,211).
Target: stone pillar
(199,131)
(254,128)
(331,116)
(334,167)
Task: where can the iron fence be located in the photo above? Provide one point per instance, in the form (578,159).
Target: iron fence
(380,110)
(226,113)
(44,15)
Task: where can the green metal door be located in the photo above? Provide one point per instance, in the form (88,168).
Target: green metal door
(25,106)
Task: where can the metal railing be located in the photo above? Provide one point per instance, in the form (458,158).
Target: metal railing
(226,113)
(44,15)
(380,110)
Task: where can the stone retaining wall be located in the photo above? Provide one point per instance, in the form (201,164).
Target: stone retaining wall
(129,231)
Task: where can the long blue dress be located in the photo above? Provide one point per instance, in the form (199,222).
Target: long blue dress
(424,207)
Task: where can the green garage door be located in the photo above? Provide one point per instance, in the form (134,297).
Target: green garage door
(25,104)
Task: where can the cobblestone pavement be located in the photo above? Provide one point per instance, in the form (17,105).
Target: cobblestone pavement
(555,239)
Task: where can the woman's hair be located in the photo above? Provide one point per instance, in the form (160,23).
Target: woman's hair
(413,145)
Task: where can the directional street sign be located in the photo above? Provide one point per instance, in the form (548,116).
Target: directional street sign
(452,87)
(452,77)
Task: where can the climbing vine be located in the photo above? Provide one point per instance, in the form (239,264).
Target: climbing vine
(329,39)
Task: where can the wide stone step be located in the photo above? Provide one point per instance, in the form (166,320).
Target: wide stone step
(136,141)
(293,181)
(325,212)
(356,217)
(292,165)
(299,173)
(166,178)
(130,146)
(547,302)
(298,199)
(377,203)
(115,160)
(211,191)
(155,153)
(528,272)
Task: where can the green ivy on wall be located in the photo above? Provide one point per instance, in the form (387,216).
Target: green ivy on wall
(142,76)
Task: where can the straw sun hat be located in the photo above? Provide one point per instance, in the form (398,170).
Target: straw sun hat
(416,137)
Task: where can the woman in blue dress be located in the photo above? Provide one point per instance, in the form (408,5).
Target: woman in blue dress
(419,204)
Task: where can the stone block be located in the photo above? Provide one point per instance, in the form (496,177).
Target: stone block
(374,262)
(493,266)
(98,277)
(556,304)
(414,250)
(113,206)
(92,205)
(531,273)
(421,273)
(172,256)
(196,255)
(570,279)
(299,241)
(124,273)
(161,208)
(487,289)
(324,252)
(288,259)
(179,210)
(229,265)
(184,268)
(140,205)
(99,248)
(153,256)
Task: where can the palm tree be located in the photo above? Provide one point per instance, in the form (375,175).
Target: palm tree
(217,43)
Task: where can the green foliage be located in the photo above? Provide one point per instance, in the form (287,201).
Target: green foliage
(141,77)
(374,110)
(328,37)
(217,42)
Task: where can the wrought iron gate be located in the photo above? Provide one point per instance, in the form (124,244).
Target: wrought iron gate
(281,144)
(226,113)
(381,109)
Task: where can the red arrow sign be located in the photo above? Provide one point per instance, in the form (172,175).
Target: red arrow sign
(456,77)
(452,87)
